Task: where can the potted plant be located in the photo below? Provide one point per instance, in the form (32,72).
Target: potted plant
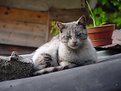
(101,33)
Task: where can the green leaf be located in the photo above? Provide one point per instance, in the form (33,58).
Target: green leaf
(54,29)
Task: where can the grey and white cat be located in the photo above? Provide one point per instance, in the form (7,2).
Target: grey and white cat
(70,48)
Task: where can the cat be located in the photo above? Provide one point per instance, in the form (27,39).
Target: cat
(71,48)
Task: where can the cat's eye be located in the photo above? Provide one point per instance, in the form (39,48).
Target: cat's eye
(68,37)
(82,36)
(79,35)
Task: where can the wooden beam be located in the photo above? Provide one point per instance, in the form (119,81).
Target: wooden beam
(66,15)
(7,49)
(24,34)
(21,15)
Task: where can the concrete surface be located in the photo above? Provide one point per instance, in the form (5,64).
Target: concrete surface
(104,76)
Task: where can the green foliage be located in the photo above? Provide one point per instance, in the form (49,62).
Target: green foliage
(115,15)
(104,2)
(116,18)
(54,29)
(100,16)
(107,11)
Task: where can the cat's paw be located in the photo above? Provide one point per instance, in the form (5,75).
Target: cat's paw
(44,71)
(40,72)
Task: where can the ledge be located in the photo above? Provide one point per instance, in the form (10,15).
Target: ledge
(103,76)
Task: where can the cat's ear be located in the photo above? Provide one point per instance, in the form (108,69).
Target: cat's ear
(60,26)
(81,20)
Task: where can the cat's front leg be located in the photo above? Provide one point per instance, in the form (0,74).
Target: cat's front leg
(49,70)
(67,65)
(63,65)
(43,61)
(44,71)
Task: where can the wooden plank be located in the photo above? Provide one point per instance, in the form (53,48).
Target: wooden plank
(43,5)
(24,34)
(48,29)
(23,27)
(7,49)
(21,15)
(66,15)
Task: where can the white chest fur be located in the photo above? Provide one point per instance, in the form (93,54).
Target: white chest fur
(79,56)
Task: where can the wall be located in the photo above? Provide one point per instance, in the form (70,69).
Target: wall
(43,5)
(23,27)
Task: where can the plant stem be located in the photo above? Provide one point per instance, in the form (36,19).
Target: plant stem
(91,14)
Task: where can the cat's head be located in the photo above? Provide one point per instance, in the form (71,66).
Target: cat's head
(73,34)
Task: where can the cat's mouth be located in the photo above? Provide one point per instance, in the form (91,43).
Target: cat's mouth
(74,46)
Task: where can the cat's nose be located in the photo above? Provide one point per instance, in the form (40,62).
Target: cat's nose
(74,42)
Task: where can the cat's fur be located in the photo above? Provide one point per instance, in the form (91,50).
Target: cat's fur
(69,49)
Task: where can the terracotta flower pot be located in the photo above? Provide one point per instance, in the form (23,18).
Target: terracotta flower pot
(101,35)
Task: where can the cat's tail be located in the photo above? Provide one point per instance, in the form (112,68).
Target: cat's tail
(50,69)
